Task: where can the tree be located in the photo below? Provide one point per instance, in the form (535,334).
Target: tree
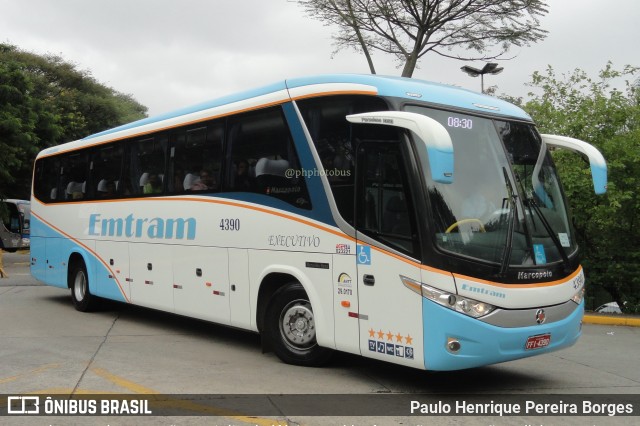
(607,227)
(409,29)
(17,121)
(45,101)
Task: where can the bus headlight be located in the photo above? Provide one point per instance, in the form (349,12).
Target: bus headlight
(464,305)
(579,296)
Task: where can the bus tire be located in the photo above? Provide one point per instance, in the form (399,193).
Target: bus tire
(290,328)
(82,298)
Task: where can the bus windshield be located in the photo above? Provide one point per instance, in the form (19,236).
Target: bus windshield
(505,201)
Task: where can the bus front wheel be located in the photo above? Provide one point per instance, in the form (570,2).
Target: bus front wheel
(82,298)
(290,328)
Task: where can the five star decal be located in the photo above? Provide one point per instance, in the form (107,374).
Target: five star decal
(389,336)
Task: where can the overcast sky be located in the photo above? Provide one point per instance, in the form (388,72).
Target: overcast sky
(170,54)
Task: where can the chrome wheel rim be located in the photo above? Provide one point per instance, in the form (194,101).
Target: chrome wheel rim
(80,286)
(297,325)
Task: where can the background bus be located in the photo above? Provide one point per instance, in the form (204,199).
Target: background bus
(401,220)
(15,227)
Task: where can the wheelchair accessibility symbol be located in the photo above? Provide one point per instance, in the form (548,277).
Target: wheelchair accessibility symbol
(364,254)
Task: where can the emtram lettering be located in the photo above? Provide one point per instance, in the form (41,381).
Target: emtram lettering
(132,227)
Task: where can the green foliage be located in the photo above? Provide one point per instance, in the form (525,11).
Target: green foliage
(608,226)
(45,101)
(17,118)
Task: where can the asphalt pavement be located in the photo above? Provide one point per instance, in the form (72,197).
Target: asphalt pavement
(49,348)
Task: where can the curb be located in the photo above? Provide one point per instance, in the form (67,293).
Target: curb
(612,320)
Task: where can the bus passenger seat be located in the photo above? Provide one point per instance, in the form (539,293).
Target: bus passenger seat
(271,174)
(107,188)
(189,180)
(102,186)
(144,178)
(266,166)
(75,190)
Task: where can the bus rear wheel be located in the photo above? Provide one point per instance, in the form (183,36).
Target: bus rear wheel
(291,330)
(82,298)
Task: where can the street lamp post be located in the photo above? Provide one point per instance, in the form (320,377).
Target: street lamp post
(489,68)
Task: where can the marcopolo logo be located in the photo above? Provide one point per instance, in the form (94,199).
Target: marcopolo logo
(136,227)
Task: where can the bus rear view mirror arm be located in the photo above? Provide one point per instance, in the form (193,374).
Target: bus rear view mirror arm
(596,160)
(433,134)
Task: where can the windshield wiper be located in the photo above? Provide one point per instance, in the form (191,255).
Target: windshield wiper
(508,246)
(530,202)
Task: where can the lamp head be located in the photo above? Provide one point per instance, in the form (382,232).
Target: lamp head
(473,72)
(491,68)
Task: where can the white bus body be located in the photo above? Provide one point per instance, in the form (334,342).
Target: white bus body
(384,217)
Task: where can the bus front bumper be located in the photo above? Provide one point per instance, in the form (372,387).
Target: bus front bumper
(479,343)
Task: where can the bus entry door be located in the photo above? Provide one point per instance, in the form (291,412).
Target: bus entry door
(390,314)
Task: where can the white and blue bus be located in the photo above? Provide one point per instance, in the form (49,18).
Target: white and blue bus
(397,219)
(15,225)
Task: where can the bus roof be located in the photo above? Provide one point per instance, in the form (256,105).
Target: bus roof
(304,87)
(423,91)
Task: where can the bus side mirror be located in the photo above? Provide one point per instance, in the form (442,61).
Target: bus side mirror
(433,134)
(596,160)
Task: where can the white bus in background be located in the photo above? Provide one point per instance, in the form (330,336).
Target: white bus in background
(397,219)
(15,225)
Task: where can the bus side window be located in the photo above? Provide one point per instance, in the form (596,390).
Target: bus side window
(262,153)
(334,140)
(45,187)
(144,169)
(105,171)
(196,159)
(73,175)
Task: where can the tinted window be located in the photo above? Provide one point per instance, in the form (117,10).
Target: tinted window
(145,165)
(335,139)
(197,159)
(106,169)
(261,152)
(384,200)
(45,186)
(73,176)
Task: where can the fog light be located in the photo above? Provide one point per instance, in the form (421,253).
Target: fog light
(453,345)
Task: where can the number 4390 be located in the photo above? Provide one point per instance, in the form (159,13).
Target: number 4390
(230,224)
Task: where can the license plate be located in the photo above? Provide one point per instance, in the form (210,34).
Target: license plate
(537,342)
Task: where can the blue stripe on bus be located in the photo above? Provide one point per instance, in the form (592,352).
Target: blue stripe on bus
(52,257)
(320,205)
